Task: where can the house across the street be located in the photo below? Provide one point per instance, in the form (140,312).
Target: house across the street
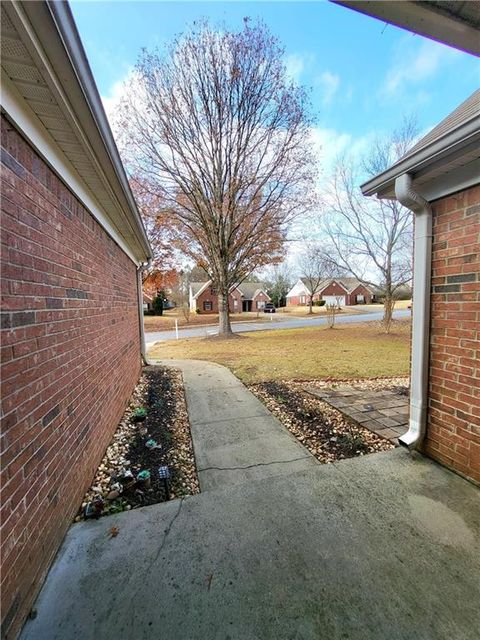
(337,291)
(248,296)
(73,248)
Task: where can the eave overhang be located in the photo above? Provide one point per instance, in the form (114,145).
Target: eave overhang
(46,68)
(455,23)
(457,153)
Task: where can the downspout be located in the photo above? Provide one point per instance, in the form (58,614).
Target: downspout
(422,266)
(140,269)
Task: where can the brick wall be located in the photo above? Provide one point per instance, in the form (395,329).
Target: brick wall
(359,291)
(453,430)
(70,359)
(208,296)
(259,301)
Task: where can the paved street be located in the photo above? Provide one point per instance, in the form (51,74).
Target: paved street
(277,322)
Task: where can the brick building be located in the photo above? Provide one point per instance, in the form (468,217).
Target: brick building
(439,180)
(73,247)
(249,296)
(339,291)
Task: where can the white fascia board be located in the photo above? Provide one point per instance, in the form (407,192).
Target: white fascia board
(200,291)
(39,17)
(451,143)
(329,284)
(21,115)
(422,19)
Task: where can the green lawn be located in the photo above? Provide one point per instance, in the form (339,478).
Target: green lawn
(348,351)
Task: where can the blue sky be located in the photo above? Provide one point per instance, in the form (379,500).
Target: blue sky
(363,74)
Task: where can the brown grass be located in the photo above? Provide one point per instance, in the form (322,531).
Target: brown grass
(347,351)
(167,321)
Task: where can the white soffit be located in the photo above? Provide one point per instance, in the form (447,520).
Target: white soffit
(34,82)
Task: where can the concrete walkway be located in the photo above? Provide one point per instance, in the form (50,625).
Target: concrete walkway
(235,438)
(382,546)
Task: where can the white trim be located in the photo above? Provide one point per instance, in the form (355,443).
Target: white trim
(458,179)
(27,122)
(329,284)
(201,290)
(426,20)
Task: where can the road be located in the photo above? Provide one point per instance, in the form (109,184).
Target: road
(275,323)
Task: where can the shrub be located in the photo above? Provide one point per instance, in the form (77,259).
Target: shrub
(319,303)
(157,305)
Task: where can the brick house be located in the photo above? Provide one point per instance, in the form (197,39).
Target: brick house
(339,291)
(439,180)
(249,296)
(73,247)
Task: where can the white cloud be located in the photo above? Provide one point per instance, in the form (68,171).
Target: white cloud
(112,100)
(328,83)
(414,64)
(295,64)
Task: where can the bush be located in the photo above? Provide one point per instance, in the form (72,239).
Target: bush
(157,305)
(319,303)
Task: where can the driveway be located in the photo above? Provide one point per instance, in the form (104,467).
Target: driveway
(381,546)
(276,323)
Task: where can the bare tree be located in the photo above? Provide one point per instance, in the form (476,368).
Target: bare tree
(315,266)
(372,239)
(222,135)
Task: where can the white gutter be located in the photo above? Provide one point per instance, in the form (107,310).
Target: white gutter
(140,269)
(422,261)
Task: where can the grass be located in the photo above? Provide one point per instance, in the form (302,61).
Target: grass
(347,351)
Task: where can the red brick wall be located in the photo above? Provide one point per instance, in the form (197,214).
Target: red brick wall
(359,291)
(259,301)
(70,359)
(333,289)
(453,429)
(208,295)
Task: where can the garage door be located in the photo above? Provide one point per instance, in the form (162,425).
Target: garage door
(340,300)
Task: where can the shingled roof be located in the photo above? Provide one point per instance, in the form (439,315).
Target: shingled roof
(454,142)
(468,110)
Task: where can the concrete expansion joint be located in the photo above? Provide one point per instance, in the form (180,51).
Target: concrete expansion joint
(252,466)
(262,415)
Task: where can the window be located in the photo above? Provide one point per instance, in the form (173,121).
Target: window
(235,303)
(207,305)
(260,304)
(213,291)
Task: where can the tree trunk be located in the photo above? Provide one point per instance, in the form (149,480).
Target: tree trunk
(310,305)
(388,305)
(224,327)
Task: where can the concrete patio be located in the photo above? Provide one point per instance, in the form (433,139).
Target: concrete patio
(384,546)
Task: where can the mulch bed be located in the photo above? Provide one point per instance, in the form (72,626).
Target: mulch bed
(323,430)
(160,393)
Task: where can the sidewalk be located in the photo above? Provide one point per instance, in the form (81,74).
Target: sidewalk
(235,438)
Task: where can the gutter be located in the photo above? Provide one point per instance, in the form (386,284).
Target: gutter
(447,145)
(422,265)
(143,347)
(62,17)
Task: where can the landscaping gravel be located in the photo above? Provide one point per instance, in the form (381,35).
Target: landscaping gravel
(323,430)
(141,447)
